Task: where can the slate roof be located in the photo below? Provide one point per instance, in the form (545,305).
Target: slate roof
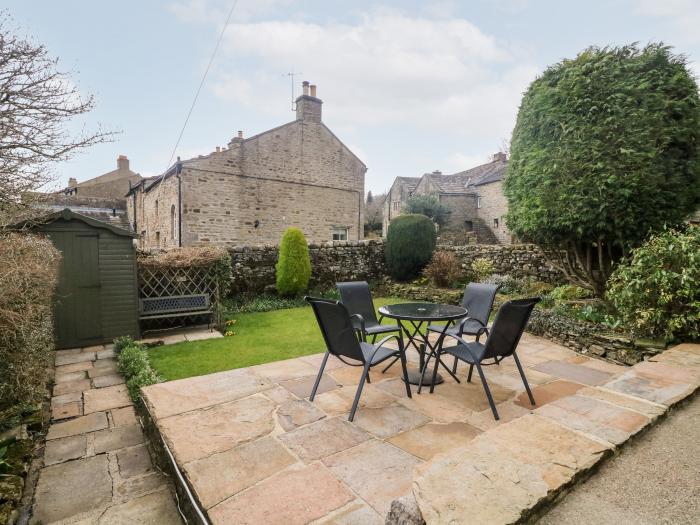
(465,181)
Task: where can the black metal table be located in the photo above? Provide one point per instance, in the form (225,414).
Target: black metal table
(416,315)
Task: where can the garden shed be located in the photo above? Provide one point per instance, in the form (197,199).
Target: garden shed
(96,298)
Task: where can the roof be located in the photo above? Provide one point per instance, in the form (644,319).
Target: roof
(486,173)
(463,181)
(68,215)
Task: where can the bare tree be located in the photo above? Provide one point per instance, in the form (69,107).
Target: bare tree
(37,102)
(374,212)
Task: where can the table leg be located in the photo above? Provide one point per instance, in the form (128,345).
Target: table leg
(422,376)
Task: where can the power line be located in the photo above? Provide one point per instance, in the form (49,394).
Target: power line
(199,89)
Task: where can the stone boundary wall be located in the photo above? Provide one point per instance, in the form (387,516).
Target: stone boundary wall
(589,339)
(254,266)
(518,260)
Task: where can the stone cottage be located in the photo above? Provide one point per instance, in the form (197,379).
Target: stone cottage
(474,197)
(248,193)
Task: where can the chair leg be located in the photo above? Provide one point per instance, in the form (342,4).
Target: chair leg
(469,376)
(359,392)
(454,366)
(368,380)
(318,377)
(404,368)
(522,376)
(488,391)
(374,338)
(435,369)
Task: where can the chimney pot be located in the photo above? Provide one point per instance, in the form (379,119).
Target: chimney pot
(218,149)
(122,163)
(305,87)
(313,90)
(72,182)
(240,134)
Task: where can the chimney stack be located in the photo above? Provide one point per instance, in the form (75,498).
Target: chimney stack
(499,157)
(240,134)
(72,182)
(308,106)
(122,163)
(218,149)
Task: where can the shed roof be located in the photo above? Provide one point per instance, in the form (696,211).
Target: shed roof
(68,215)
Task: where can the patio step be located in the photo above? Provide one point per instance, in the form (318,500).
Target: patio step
(512,472)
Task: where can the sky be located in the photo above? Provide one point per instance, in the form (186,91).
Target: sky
(410,87)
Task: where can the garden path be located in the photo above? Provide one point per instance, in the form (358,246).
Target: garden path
(96,467)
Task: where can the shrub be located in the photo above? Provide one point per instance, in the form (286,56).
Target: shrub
(293,269)
(606,148)
(122,342)
(429,206)
(482,269)
(410,242)
(569,292)
(657,292)
(136,368)
(444,269)
(29,269)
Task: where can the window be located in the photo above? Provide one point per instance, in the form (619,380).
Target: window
(172,222)
(156,208)
(396,205)
(478,202)
(495,223)
(469,226)
(339,233)
(158,239)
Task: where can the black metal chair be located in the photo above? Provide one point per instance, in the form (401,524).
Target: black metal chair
(335,323)
(357,298)
(506,331)
(478,300)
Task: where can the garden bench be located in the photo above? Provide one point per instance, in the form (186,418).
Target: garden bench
(175,306)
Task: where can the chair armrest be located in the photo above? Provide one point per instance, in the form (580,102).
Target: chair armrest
(361,319)
(383,342)
(464,322)
(466,345)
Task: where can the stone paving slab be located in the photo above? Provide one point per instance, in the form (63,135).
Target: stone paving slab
(184,395)
(657,381)
(72,488)
(294,497)
(81,425)
(434,438)
(101,399)
(218,428)
(323,438)
(64,449)
(152,509)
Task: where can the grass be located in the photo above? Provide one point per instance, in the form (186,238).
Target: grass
(261,337)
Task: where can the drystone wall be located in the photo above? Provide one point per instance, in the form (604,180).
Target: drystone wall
(587,338)
(254,266)
(518,260)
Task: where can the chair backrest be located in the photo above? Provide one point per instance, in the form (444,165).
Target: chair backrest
(335,324)
(357,298)
(508,327)
(478,300)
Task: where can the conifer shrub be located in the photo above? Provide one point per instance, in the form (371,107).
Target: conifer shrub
(293,268)
(410,243)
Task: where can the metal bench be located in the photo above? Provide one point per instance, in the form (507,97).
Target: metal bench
(175,306)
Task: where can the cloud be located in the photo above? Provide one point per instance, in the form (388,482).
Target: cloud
(684,15)
(385,69)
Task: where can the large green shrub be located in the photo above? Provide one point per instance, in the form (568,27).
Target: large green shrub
(657,292)
(606,148)
(293,269)
(29,269)
(410,242)
(429,206)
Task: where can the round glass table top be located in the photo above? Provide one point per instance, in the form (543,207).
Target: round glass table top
(423,311)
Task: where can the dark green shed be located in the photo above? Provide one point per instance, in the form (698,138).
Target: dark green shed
(97,297)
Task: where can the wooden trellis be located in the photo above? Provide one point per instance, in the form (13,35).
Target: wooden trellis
(159,281)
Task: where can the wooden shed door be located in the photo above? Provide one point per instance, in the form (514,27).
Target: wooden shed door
(78,316)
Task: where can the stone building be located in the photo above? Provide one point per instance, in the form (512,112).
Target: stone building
(111,185)
(474,197)
(102,197)
(298,174)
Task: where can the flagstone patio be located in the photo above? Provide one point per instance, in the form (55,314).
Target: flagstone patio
(253,449)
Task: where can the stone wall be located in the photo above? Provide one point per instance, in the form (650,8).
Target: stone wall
(254,266)
(519,260)
(587,338)
(494,207)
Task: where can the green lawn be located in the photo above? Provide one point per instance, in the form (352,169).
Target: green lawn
(261,337)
